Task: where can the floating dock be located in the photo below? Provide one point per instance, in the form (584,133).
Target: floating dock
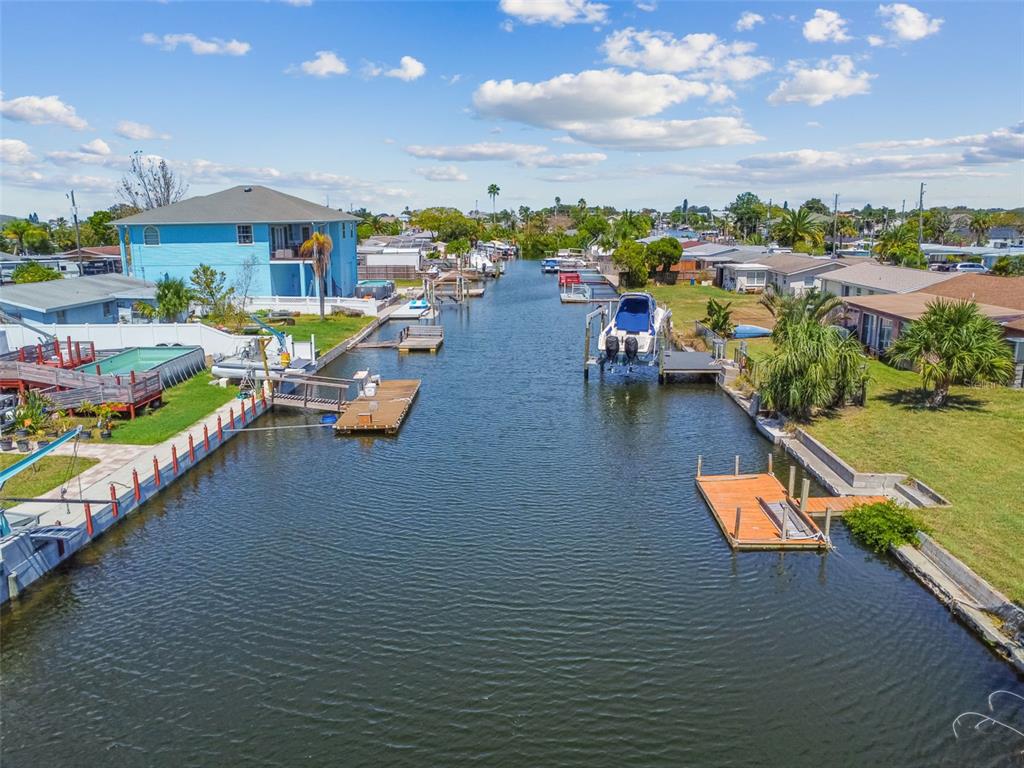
(421,338)
(755,512)
(382,412)
(691,364)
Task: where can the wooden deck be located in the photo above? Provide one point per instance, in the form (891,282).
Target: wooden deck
(816,505)
(421,338)
(382,413)
(757,528)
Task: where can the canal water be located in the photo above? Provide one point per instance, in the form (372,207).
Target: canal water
(525,576)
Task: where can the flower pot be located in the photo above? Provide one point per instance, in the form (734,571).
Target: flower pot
(6,444)
(42,443)
(21,432)
(23,445)
(106,434)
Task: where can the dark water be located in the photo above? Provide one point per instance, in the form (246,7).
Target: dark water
(526,576)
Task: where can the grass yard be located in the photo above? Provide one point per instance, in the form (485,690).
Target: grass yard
(970,452)
(408,283)
(689,303)
(45,475)
(329,332)
(184,404)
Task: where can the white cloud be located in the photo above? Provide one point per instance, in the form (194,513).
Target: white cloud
(702,55)
(96,147)
(813,124)
(129,129)
(999,146)
(215,46)
(442,173)
(826,26)
(40,110)
(569,160)
(648,7)
(325,64)
(88,157)
(408,69)
(507,25)
(906,22)
(655,135)
(875,41)
(564,140)
(299,3)
(526,155)
(834,78)
(557,13)
(748,21)
(15,152)
(451,79)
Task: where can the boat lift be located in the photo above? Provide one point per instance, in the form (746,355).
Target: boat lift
(598,320)
(20,466)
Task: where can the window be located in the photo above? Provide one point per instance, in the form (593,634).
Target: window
(108,308)
(884,334)
(62,317)
(151,236)
(306,232)
(755,278)
(244,234)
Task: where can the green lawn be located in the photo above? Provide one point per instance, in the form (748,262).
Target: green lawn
(45,475)
(689,303)
(408,283)
(970,452)
(184,404)
(330,331)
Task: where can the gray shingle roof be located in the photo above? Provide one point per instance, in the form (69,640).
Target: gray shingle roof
(888,278)
(240,205)
(52,295)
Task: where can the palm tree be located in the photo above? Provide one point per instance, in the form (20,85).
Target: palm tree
(318,248)
(820,307)
(493,190)
(21,231)
(940,223)
(899,246)
(172,301)
(558,205)
(980,224)
(953,342)
(796,226)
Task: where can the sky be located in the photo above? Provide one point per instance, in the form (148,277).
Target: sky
(634,104)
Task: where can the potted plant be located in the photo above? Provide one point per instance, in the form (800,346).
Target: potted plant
(6,441)
(105,418)
(55,420)
(86,408)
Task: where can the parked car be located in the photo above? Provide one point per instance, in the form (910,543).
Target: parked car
(968,266)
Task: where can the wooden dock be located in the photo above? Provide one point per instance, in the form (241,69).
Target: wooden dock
(384,412)
(755,512)
(421,338)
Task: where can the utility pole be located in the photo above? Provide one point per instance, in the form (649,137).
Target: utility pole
(78,237)
(903,212)
(835,225)
(920,217)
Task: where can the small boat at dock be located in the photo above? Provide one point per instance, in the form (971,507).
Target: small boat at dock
(633,334)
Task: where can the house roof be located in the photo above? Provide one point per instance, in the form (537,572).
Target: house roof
(910,306)
(53,295)
(875,276)
(96,250)
(792,263)
(1001,291)
(240,205)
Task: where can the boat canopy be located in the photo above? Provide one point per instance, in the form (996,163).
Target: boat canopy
(635,313)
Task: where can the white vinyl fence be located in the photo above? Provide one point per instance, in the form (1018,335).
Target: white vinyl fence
(116,336)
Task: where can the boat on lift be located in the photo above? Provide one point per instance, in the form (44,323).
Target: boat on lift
(637,327)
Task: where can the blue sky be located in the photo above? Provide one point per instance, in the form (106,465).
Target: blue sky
(418,103)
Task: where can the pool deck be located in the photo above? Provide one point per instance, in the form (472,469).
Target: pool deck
(736,504)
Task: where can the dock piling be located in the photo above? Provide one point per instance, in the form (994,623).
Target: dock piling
(828,524)
(231,417)
(206,439)
(700,463)
(156,472)
(771,469)
(792,481)
(805,489)
(114,505)
(88,519)
(12,585)
(191,450)
(135,485)
(737,465)
(174,459)
(736,535)
(220,431)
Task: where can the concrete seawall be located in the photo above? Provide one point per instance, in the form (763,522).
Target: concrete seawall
(65,529)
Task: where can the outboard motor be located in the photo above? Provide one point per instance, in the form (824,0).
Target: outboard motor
(632,347)
(611,347)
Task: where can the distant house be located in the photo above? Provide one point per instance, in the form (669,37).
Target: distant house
(96,259)
(787,273)
(1005,237)
(869,278)
(244,229)
(97,299)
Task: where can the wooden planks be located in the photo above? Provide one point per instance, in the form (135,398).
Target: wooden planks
(816,505)
(384,412)
(421,338)
(725,493)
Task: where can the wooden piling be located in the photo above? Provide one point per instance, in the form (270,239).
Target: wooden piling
(156,472)
(700,464)
(174,459)
(828,524)
(220,431)
(771,469)
(191,450)
(231,417)
(792,481)
(12,585)
(88,519)
(805,489)
(737,465)
(736,530)
(113,500)
(206,439)
(135,485)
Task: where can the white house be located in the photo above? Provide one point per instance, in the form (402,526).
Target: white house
(787,273)
(869,278)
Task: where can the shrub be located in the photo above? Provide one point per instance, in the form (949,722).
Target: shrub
(881,525)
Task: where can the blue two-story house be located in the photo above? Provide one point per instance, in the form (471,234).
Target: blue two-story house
(245,231)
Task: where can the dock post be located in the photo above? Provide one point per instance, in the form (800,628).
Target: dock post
(135,485)
(805,488)
(12,585)
(231,417)
(785,519)
(828,524)
(771,469)
(156,472)
(243,412)
(700,464)
(174,459)
(114,505)
(792,481)
(736,534)
(206,439)
(586,351)
(88,519)
(191,450)
(737,465)
(220,431)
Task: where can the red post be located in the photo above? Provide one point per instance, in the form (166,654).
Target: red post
(71,353)
(263,397)
(97,369)
(113,499)
(39,353)
(135,484)
(231,417)
(191,450)
(21,355)
(156,472)
(174,458)
(206,439)
(220,432)
(254,405)
(133,378)
(243,412)
(88,519)
(78,352)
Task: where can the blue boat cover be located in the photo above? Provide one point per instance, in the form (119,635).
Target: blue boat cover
(750,332)
(634,314)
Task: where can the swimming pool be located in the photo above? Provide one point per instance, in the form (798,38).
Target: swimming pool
(174,363)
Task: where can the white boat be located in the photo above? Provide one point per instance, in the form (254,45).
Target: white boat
(480,262)
(638,326)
